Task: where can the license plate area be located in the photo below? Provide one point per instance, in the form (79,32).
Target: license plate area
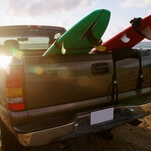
(101,116)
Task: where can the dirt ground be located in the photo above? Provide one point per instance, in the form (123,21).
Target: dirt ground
(125,138)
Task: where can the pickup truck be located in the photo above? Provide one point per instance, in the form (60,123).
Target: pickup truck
(44,99)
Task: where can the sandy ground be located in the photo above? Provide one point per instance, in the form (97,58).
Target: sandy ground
(125,138)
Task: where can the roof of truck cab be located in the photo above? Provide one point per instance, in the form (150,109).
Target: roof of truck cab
(23,30)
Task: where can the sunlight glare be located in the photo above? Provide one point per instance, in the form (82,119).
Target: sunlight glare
(4,61)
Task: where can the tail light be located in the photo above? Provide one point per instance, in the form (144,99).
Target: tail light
(14,88)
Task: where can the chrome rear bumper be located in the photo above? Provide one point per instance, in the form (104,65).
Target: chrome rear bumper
(81,125)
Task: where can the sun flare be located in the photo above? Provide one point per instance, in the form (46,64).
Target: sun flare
(4,61)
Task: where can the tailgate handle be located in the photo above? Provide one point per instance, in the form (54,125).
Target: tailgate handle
(100,68)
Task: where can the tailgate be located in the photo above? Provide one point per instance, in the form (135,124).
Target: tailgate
(76,83)
(57,80)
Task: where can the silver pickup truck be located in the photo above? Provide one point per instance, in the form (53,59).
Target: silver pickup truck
(44,99)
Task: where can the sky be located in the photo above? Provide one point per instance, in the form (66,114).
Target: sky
(68,12)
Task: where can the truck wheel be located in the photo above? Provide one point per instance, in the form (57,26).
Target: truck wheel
(9,142)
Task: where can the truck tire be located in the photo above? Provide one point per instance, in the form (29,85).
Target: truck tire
(9,142)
